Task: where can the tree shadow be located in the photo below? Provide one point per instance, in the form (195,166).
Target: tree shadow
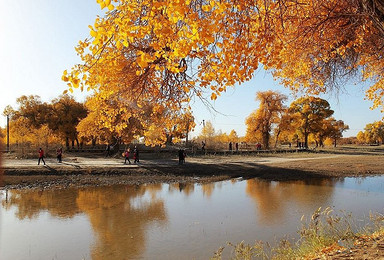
(72,164)
(246,170)
(52,170)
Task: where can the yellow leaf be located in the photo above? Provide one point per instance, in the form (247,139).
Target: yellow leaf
(110,7)
(95,42)
(93,33)
(206,8)
(213,96)
(118,45)
(76,83)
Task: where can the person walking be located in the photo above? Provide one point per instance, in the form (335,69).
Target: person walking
(41,156)
(59,154)
(108,151)
(181,156)
(126,155)
(136,155)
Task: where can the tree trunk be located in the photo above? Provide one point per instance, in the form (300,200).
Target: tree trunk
(169,139)
(116,145)
(277,138)
(266,141)
(306,140)
(77,143)
(321,142)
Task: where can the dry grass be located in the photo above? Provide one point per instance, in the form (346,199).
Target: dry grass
(325,235)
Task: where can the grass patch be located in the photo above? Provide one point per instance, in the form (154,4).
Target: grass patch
(320,234)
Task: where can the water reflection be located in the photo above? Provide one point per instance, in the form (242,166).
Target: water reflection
(29,204)
(186,188)
(274,199)
(119,215)
(169,221)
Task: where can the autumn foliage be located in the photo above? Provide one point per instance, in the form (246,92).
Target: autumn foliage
(373,133)
(63,120)
(269,113)
(35,123)
(306,117)
(167,52)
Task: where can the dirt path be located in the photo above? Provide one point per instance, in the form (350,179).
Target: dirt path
(77,169)
(84,162)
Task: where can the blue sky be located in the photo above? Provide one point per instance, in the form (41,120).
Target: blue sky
(38,40)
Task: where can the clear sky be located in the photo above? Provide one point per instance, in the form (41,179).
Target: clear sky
(37,44)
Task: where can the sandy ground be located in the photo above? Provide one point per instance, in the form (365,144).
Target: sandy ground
(89,169)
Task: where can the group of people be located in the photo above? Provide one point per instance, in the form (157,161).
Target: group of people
(59,155)
(126,155)
(236,146)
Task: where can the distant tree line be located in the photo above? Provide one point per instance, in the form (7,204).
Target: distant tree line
(306,118)
(41,123)
(66,121)
(98,120)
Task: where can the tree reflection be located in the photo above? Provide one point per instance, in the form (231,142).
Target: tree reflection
(186,188)
(119,215)
(207,189)
(29,204)
(273,199)
(189,188)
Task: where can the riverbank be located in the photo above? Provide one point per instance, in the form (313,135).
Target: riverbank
(89,169)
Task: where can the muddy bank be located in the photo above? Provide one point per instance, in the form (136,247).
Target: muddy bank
(83,170)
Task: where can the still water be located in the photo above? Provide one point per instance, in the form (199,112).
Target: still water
(169,221)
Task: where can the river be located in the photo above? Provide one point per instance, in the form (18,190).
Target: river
(169,221)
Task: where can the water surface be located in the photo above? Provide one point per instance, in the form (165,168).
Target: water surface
(168,221)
